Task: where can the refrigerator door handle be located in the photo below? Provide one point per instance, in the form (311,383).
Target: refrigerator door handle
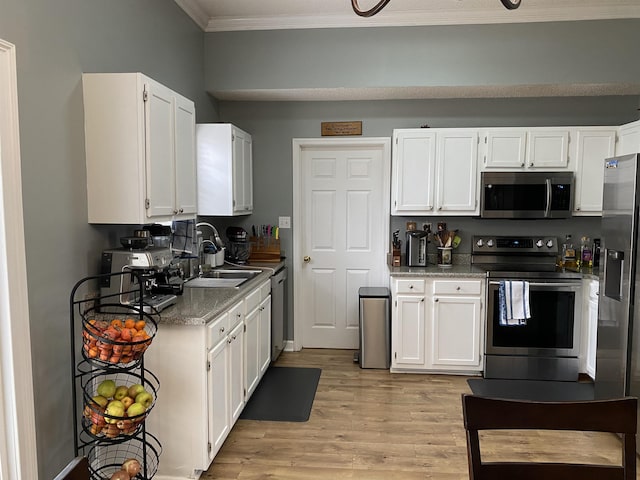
(547,209)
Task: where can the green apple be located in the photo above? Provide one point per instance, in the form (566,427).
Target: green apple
(145,398)
(136,409)
(135,390)
(106,388)
(115,408)
(127,402)
(121,392)
(100,400)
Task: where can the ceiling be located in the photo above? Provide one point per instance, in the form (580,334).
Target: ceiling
(230,15)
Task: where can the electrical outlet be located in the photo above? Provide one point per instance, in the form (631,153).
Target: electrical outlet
(284,222)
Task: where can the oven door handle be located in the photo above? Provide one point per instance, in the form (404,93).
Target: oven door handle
(547,284)
(547,209)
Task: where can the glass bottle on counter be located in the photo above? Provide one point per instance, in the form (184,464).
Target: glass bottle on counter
(586,255)
(569,259)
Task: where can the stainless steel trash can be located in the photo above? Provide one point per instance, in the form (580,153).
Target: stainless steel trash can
(375,327)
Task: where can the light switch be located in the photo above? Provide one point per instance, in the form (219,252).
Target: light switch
(284,222)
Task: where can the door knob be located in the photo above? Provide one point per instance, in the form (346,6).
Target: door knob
(307,259)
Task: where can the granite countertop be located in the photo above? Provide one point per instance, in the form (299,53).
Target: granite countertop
(464,270)
(199,305)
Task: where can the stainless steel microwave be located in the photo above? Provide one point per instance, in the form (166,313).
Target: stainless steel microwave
(526,195)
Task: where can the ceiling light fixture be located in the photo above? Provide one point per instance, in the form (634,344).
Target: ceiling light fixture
(508,4)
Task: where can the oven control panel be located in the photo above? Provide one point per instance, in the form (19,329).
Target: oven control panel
(514,245)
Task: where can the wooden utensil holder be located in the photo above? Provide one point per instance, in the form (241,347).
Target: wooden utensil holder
(264,249)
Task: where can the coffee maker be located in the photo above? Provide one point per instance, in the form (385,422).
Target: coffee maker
(150,267)
(417,248)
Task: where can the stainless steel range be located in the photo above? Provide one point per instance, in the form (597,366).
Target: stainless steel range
(547,346)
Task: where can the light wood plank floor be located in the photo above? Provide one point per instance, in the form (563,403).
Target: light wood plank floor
(373,425)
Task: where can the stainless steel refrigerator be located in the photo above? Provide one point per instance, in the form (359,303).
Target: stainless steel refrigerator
(618,347)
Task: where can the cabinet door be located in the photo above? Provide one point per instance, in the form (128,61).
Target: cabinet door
(592,325)
(413,172)
(236,367)
(548,148)
(505,148)
(218,396)
(408,331)
(593,147)
(629,138)
(159,138)
(247,174)
(455,332)
(264,345)
(251,345)
(242,172)
(457,179)
(185,138)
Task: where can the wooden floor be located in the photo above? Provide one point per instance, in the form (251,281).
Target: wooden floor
(373,425)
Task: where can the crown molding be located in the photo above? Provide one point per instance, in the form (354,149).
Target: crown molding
(417,18)
(423,93)
(195,11)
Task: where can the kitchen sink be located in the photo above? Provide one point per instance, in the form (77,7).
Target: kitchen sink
(223,278)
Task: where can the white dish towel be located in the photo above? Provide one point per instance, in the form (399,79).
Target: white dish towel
(514,302)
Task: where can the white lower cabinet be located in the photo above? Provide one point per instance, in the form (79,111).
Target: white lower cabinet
(205,372)
(437,325)
(589,327)
(257,341)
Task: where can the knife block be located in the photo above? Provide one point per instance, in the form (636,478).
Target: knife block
(265,250)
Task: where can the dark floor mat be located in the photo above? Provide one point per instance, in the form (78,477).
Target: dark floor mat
(285,394)
(536,390)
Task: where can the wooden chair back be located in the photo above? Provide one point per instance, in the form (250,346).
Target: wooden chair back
(77,469)
(615,416)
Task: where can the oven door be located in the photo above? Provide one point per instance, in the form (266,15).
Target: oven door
(553,329)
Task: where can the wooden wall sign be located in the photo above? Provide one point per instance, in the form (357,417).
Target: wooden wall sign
(341,128)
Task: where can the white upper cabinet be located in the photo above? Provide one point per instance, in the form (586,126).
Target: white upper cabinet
(140,150)
(526,148)
(225,170)
(628,138)
(456,172)
(434,172)
(593,145)
(413,175)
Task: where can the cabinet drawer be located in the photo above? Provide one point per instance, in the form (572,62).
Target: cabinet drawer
(410,285)
(236,314)
(217,329)
(265,289)
(457,287)
(252,300)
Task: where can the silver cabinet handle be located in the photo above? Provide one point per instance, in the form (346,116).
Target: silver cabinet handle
(307,259)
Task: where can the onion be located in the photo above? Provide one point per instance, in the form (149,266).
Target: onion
(131,466)
(120,475)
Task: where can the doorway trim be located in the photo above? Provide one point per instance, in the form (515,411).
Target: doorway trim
(18,455)
(300,144)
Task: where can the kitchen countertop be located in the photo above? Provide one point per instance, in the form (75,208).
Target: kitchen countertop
(198,305)
(464,270)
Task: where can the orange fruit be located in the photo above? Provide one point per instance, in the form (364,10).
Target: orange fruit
(129,323)
(140,324)
(116,322)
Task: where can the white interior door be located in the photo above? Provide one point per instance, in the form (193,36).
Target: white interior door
(341,232)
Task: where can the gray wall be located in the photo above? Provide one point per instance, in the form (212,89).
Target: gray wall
(56,42)
(470,55)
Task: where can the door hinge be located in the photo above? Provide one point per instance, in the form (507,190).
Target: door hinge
(244,392)
(145,94)
(208,446)
(147,203)
(208,366)
(396,303)
(395,355)
(244,328)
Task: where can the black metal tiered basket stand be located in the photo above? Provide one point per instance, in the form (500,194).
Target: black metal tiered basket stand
(114,338)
